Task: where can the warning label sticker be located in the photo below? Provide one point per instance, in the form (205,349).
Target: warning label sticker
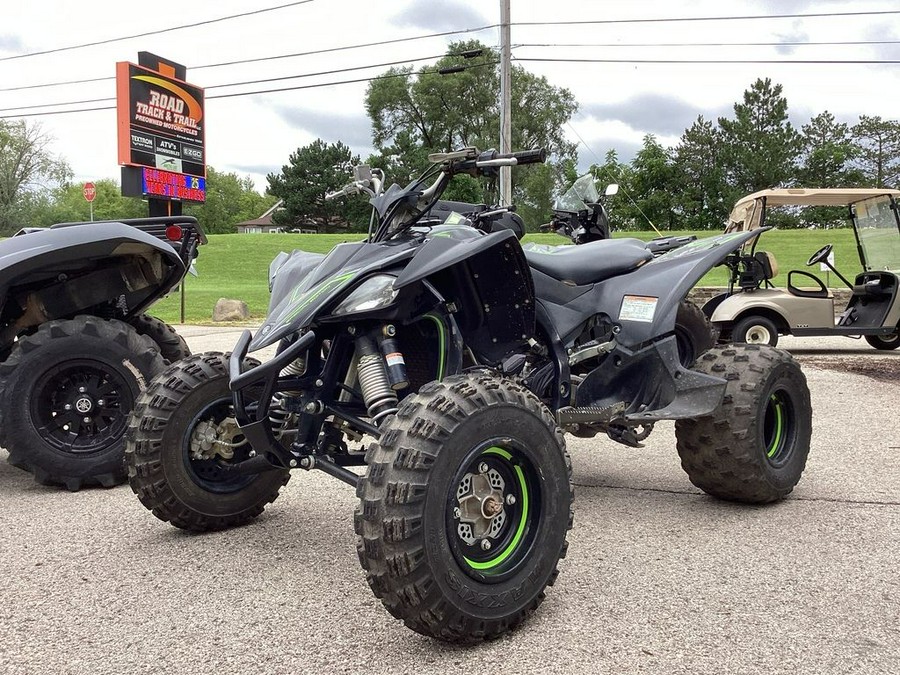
(638,308)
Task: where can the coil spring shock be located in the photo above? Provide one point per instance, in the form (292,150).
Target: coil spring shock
(381,400)
(279,418)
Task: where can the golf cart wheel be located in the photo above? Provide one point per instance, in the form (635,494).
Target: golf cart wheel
(464,508)
(65,394)
(753,448)
(181,439)
(755,330)
(891,341)
(171,345)
(694,333)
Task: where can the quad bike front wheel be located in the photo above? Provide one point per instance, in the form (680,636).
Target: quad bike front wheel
(181,440)
(753,448)
(65,395)
(464,508)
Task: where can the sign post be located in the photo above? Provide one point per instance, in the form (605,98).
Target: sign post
(90,194)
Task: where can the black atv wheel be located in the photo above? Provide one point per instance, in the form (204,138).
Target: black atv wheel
(754,447)
(885,342)
(755,330)
(177,446)
(464,508)
(694,334)
(65,394)
(171,345)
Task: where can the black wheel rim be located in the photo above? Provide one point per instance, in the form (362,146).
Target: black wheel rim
(779,427)
(496,478)
(81,406)
(213,474)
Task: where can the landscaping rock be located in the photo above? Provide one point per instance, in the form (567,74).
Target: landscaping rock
(230,310)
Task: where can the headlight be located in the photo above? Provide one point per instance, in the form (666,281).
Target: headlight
(372,294)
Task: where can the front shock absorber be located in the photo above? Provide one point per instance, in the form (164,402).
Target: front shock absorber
(381,400)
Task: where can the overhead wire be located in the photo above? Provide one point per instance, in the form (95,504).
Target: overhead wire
(275,57)
(96,43)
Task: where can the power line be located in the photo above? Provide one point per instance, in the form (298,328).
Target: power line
(720,62)
(236,84)
(681,19)
(244,93)
(707,44)
(155,32)
(271,58)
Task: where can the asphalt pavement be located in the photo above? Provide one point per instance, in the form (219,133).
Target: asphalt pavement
(659,577)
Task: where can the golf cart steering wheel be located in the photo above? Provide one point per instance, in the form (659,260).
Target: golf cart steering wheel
(820,255)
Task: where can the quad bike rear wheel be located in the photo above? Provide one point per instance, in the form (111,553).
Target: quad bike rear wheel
(754,447)
(171,345)
(181,439)
(464,508)
(694,334)
(65,394)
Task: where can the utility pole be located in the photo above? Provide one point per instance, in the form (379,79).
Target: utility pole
(505,99)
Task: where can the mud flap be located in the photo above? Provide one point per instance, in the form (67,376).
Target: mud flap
(652,384)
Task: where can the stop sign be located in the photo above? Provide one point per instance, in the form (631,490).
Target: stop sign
(89,191)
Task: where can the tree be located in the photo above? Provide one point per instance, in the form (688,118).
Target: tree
(759,145)
(652,187)
(827,153)
(66,203)
(878,142)
(27,165)
(312,172)
(614,171)
(413,114)
(230,199)
(702,192)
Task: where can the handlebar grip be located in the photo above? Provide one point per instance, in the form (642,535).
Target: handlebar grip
(536,156)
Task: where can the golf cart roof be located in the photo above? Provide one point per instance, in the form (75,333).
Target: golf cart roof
(747,211)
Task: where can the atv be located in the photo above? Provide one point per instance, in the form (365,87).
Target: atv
(76,346)
(465,359)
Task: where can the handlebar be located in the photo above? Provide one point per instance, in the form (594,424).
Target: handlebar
(536,156)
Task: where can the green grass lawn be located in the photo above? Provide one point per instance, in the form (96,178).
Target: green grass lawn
(236,265)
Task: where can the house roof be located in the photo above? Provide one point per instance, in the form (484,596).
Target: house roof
(264,219)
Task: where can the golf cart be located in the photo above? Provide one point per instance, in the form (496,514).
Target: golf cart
(754,311)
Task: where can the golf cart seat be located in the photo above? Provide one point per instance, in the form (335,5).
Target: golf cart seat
(758,269)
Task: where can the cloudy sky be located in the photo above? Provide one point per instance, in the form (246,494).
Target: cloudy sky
(619,102)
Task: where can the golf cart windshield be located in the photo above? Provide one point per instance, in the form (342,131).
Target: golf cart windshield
(879,236)
(577,197)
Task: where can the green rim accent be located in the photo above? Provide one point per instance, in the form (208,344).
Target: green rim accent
(779,427)
(442,350)
(505,553)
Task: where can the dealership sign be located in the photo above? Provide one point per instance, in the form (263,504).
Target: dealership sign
(161,133)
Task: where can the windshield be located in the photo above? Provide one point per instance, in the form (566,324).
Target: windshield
(879,236)
(577,197)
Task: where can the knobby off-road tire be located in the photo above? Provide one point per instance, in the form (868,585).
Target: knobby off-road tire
(189,493)
(694,333)
(171,345)
(426,564)
(65,395)
(754,447)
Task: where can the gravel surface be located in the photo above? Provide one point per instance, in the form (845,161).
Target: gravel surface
(659,577)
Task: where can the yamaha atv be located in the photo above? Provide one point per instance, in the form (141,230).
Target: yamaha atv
(465,359)
(76,347)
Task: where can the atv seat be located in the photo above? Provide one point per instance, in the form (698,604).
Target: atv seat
(591,262)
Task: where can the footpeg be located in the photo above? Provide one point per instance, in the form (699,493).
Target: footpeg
(589,414)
